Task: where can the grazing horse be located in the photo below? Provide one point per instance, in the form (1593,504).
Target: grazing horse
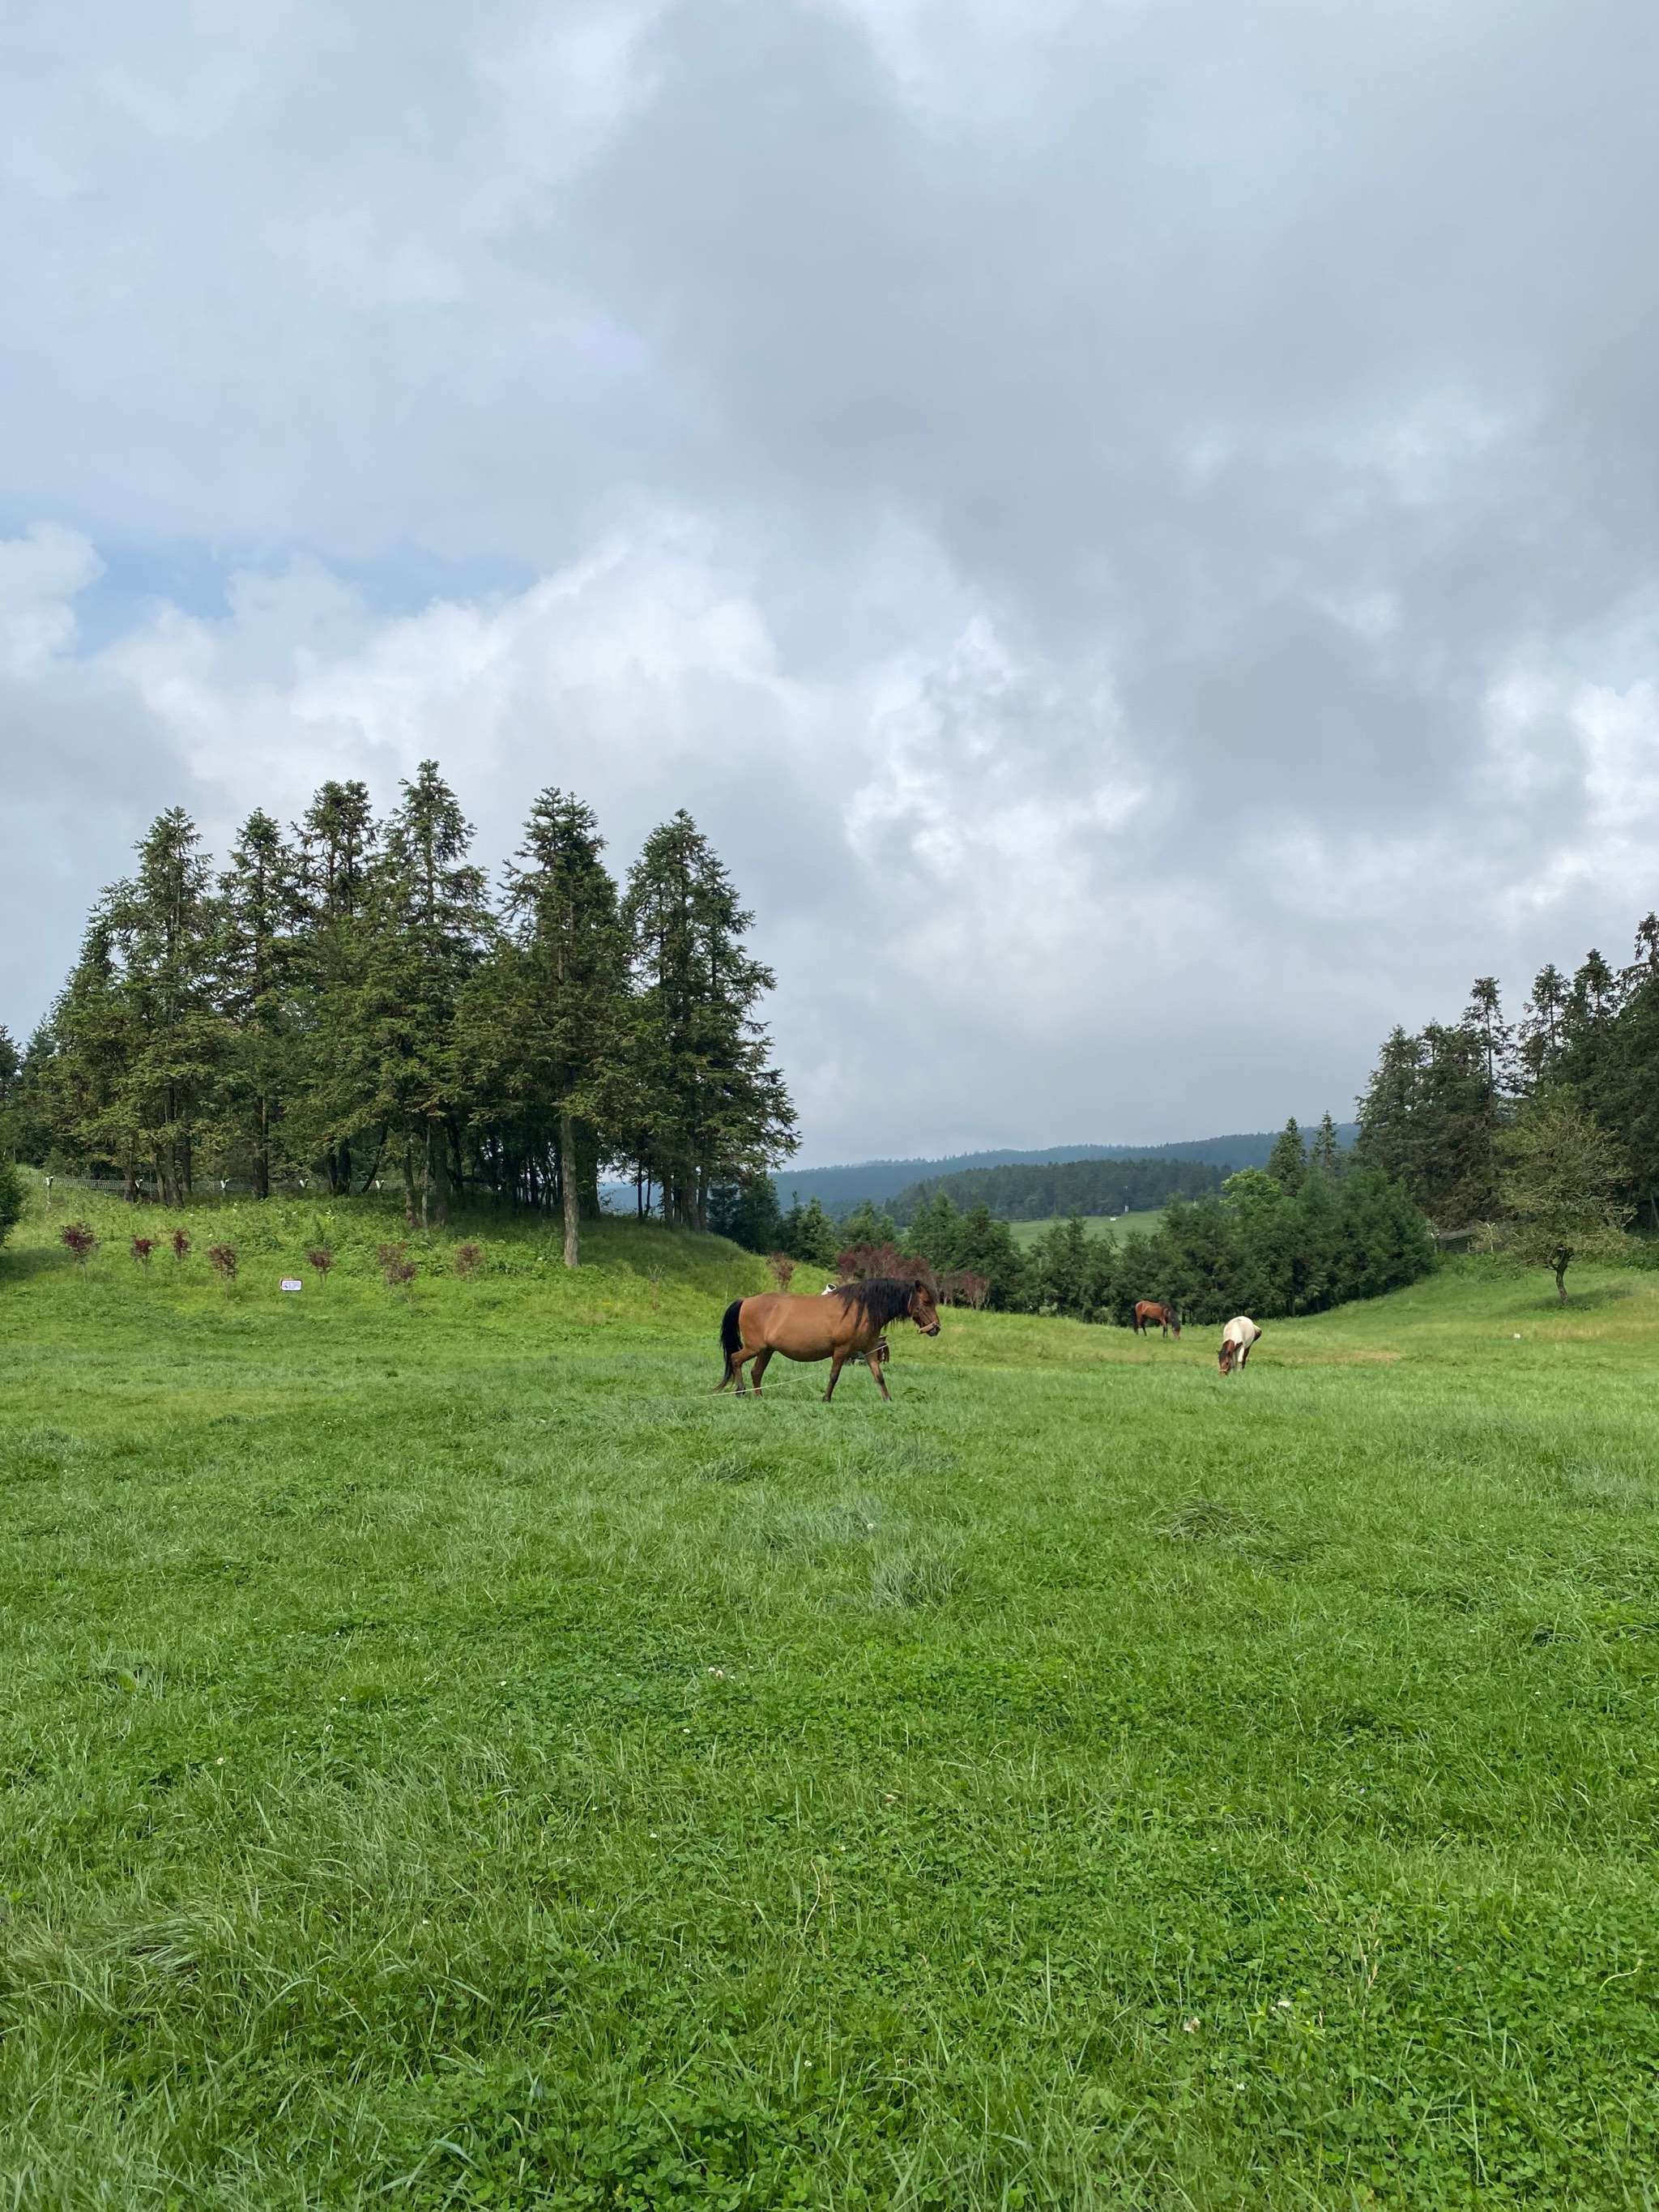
(837,1325)
(1236,1340)
(1149,1312)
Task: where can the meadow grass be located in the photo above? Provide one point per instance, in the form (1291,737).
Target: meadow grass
(450,1758)
(1115,1225)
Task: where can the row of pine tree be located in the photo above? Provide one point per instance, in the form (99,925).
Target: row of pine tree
(346,1002)
(1439,1103)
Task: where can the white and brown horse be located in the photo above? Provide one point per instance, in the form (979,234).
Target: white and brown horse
(837,1325)
(1237,1340)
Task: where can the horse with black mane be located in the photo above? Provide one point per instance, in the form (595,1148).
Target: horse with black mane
(1149,1313)
(838,1325)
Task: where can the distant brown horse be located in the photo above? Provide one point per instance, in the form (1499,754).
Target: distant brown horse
(837,1325)
(1150,1314)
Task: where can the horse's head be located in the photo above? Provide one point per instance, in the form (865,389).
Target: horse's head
(921,1309)
(1227,1350)
(1174,1321)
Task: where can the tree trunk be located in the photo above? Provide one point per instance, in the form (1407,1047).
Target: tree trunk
(409,1184)
(569,1192)
(1561,1281)
(437,1153)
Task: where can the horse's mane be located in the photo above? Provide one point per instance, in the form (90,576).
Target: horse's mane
(881,1298)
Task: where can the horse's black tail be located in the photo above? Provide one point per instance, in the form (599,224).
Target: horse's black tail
(731,1338)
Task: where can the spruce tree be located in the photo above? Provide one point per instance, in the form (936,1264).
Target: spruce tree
(548,1021)
(258,909)
(710,1102)
(1325,1153)
(139,1028)
(1287,1162)
(339,843)
(423,928)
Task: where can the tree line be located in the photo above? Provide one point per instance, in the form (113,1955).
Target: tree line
(1540,1133)
(345,1001)
(1047,1190)
(1311,1230)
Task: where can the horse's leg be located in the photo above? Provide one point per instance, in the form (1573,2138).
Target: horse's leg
(837,1360)
(748,1351)
(760,1369)
(872,1361)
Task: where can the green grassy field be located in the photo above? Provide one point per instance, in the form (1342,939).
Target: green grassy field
(1117,1225)
(449,1758)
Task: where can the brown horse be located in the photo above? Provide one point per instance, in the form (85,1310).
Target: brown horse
(1149,1313)
(837,1325)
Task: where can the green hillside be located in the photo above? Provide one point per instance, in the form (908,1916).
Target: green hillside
(452,1758)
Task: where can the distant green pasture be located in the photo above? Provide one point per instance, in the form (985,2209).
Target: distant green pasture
(450,1758)
(1117,1225)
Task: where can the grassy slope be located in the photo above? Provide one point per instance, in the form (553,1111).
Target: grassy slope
(447,1752)
(1117,1225)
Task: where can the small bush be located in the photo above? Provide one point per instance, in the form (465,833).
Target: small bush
(396,1266)
(468,1260)
(222,1259)
(11,1198)
(321,1258)
(180,1245)
(783,1268)
(142,1248)
(80,1242)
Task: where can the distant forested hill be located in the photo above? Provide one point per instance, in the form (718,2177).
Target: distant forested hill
(839,1189)
(1048,1192)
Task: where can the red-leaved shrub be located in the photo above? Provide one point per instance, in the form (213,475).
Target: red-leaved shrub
(396,1266)
(80,1241)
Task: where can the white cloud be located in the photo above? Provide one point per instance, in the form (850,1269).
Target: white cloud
(41,575)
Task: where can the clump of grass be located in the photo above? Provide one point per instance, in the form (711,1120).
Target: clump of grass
(180,1242)
(221,1258)
(321,1258)
(142,1250)
(911,1578)
(469,1258)
(1207,1517)
(80,1240)
(397,1268)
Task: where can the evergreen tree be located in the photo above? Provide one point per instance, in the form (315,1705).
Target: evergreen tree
(1429,1119)
(807,1233)
(258,909)
(709,1102)
(1287,1162)
(746,1210)
(138,1039)
(339,844)
(1543,1027)
(1325,1153)
(423,927)
(546,1021)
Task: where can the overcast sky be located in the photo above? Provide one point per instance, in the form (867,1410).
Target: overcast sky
(1134,526)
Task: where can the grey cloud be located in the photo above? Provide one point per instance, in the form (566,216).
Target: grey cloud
(1188,474)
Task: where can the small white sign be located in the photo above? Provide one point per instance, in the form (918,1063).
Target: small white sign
(289,1283)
